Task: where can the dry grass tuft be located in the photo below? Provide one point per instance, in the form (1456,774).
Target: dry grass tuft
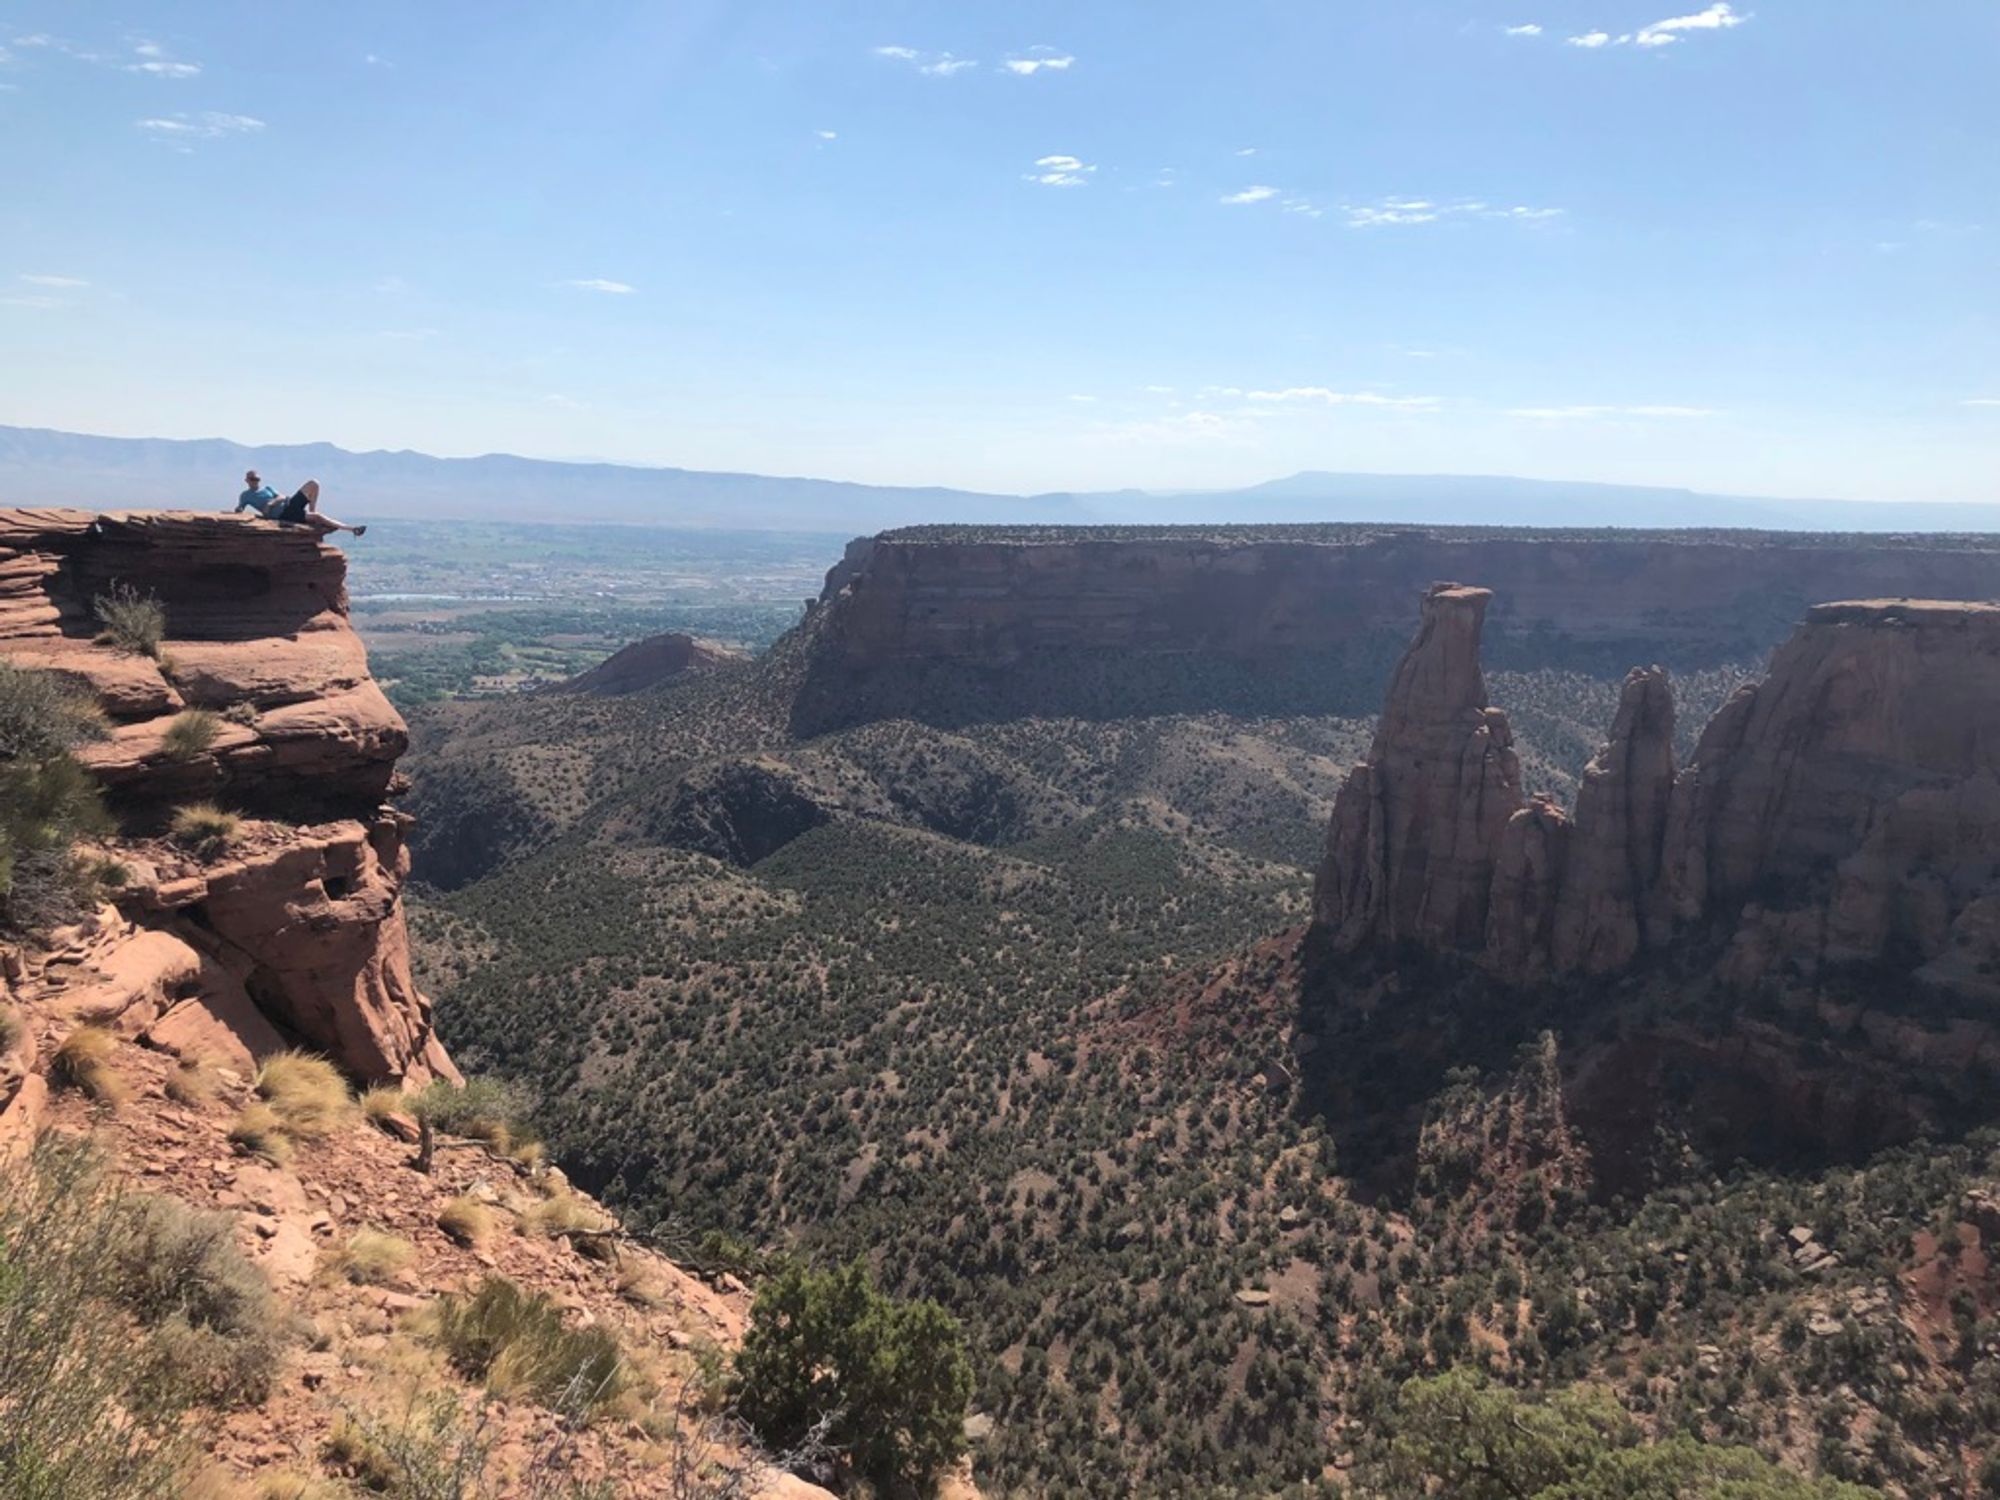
(307,1093)
(193,1082)
(564,1212)
(203,829)
(259,1131)
(83,1063)
(382,1103)
(190,734)
(373,1258)
(518,1342)
(288,1484)
(468,1221)
(132,621)
(641,1283)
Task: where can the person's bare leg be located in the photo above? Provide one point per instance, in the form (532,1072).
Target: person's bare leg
(323,524)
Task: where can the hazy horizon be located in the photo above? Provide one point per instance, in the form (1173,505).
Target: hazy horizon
(1736,248)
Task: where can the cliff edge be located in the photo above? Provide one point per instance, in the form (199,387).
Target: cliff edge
(249,691)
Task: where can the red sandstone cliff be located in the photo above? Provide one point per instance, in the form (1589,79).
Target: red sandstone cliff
(1847,808)
(997,621)
(294,933)
(1417,826)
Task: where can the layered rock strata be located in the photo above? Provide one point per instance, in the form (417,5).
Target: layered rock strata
(980,622)
(294,933)
(1845,809)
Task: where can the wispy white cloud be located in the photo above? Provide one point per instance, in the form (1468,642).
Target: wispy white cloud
(1391,211)
(1719,17)
(1322,396)
(1038,60)
(599,284)
(1258,193)
(209,125)
(930,64)
(32,300)
(566,403)
(42,41)
(1247,151)
(407,335)
(59,283)
(1061,171)
(375,60)
(1527,29)
(1396,212)
(1983,401)
(144,57)
(154,59)
(827,135)
(1592,413)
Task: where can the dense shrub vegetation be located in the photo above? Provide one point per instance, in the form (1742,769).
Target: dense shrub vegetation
(884,1382)
(1042,1067)
(46,798)
(123,1320)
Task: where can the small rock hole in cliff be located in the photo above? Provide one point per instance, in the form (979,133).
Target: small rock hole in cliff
(337,887)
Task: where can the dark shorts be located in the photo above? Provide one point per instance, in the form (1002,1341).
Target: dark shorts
(294,510)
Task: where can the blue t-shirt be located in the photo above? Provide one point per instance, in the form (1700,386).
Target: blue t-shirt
(257,500)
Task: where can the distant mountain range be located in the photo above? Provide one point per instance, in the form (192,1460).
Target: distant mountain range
(43,467)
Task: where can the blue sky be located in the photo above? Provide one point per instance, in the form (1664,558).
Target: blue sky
(1745,248)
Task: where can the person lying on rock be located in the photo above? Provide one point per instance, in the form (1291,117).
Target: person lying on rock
(300,509)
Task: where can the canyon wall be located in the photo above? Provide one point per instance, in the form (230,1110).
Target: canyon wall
(291,930)
(966,624)
(1845,810)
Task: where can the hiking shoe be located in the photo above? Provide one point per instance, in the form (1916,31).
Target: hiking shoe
(361,531)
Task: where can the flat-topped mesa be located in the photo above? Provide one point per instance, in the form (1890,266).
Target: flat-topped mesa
(257,697)
(970,624)
(1416,827)
(1845,809)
